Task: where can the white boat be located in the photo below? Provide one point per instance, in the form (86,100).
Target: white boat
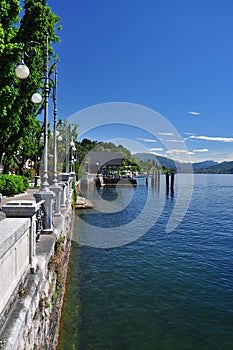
(139,174)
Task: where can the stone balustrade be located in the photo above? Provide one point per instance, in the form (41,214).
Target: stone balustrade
(25,277)
(19,232)
(14,256)
(19,238)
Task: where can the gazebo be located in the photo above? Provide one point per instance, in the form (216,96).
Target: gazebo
(107,163)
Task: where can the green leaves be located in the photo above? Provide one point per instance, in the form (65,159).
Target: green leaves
(13,184)
(20,129)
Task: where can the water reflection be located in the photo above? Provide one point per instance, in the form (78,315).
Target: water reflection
(108,193)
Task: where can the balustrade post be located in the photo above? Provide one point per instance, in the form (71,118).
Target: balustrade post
(26,209)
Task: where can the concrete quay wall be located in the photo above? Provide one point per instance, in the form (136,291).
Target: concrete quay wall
(32,285)
(14,256)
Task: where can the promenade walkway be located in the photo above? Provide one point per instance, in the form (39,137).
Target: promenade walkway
(28,195)
(23,322)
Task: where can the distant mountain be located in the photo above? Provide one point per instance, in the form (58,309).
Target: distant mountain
(205,167)
(162,161)
(219,168)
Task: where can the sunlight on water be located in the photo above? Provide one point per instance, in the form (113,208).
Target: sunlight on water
(162,291)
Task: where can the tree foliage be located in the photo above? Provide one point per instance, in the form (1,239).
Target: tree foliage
(67,134)
(86,145)
(21,130)
(8,56)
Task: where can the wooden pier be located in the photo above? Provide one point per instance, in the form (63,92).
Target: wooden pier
(119,181)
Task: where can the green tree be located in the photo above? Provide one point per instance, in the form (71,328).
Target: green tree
(8,56)
(22,133)
(67,133)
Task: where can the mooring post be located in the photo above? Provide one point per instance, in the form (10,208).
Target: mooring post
(167,182)
(158,174)
(153,179)
(172,182)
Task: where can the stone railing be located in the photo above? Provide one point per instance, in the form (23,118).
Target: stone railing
(19,232)
(20,239)
(14,257)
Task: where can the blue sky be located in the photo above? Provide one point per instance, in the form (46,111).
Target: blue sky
(174,57)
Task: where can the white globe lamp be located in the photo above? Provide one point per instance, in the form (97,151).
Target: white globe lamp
(36,98)
(22,71)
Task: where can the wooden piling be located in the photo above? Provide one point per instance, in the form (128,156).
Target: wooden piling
(172,181)
(153,179)
(167,182)
(158,178)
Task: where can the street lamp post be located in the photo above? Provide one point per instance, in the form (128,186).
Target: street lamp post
(67,148)
(74,158)
(45,183)
(55,181)
(22,72)
(72,144)
(55,187)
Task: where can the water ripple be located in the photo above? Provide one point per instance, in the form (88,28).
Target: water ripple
(163,291)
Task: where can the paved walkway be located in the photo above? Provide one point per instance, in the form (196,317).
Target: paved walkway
(27,195)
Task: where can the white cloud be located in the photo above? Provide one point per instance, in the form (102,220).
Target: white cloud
(165,133)
(175,140)
(200,150)
(194,113)
(156,149)
(178,151)
(146,140)
(212,138)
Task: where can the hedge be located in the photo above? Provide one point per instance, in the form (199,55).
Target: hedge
(13,184)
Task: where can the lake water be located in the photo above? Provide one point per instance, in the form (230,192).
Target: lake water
(165,291)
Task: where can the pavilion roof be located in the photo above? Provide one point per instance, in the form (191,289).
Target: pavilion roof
(105,158)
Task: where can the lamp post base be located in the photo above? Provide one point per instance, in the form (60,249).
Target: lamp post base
(48,198)
(57,191)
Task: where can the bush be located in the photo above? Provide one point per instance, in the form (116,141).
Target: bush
(75,192)
(29,173)
(25,183)
(13,184)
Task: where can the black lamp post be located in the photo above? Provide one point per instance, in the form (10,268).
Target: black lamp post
(55,187)
(55,181)
(67,149)
(72,144)
(22,72)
